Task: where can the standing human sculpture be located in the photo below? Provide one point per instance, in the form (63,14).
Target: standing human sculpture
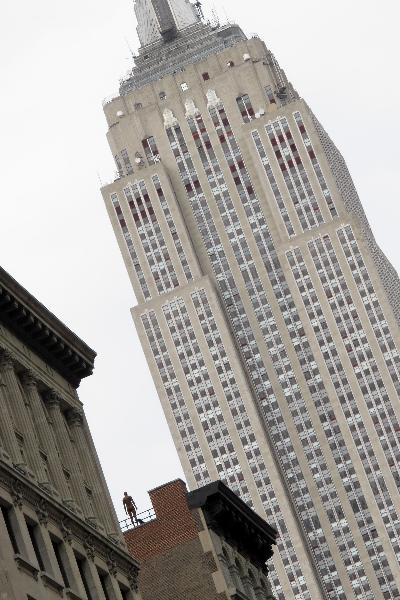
(130,508)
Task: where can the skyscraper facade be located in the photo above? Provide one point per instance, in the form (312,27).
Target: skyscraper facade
(268,314)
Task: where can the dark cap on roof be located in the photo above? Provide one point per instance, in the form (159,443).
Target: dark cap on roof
(229,516)
(41,331)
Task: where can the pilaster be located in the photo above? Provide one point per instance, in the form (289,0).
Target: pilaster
(53,401)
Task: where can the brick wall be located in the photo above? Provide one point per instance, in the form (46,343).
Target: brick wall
(173,565)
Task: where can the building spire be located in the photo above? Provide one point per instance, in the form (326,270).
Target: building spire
(162,19)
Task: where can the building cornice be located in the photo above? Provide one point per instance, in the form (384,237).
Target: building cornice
(227,515)
(43,333)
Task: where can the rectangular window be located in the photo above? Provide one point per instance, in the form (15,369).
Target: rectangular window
(83,571)
(124,591)
(245,107)
(127,161)
(151,150)
(270,94)
(104,580)
(34,534)
(58,551)
(6,512)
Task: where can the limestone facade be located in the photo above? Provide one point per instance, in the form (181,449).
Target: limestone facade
(58,529)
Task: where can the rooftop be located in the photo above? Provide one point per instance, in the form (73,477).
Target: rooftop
(43,332)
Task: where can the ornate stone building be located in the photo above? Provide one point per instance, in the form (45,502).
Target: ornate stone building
(268,314)
(202,545)
(58,529)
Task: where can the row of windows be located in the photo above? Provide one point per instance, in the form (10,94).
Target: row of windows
(352,415)
(236,313)
(66,572)
(284,370)
(358,349)
(151,237)
(131,249)
(253,283)
(175,397)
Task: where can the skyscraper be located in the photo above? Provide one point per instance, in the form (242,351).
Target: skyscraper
(267,312)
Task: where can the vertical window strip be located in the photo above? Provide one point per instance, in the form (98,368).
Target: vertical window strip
(172,228)
(274,342)
(175,396)
(315,164)
(272,181)
(237,316)
(151,237)
(294,174)
(358,349)
(231,390)
(151,150)
(130,246)
(356,425)
(120,170)
(127,161)
(245,107)
(203,393)
(301,345)
(371,303)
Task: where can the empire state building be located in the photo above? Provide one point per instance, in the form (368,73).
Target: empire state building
(267,312)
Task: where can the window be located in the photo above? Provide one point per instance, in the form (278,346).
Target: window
(245,107)
(127,161)
(206,76)
(124,591)
(184,86)
(7,516)
(104,580)
(59,554)
(270,94)
(34,534)
(151,150)
(83,568)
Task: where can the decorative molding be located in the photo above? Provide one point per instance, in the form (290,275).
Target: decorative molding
(29,380)
(17,494)
(24,565)
(7,360)
(213,100)
(51,583)
(75,417)
(64,518)
(53,399)
(42,512)
(191,108)
(169,118)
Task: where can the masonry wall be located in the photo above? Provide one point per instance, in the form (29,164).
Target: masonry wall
(173,565)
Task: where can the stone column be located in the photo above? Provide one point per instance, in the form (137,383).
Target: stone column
(77,425)
(8,436)
(69,460)
(10,446)
(46,436)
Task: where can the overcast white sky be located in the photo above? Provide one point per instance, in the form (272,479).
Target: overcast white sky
(58,60)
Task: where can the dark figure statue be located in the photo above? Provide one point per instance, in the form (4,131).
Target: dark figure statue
(130,508)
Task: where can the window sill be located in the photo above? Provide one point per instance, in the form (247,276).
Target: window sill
(24,565)
(73,595)
(51,583)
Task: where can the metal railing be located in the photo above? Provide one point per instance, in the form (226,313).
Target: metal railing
(142,518)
